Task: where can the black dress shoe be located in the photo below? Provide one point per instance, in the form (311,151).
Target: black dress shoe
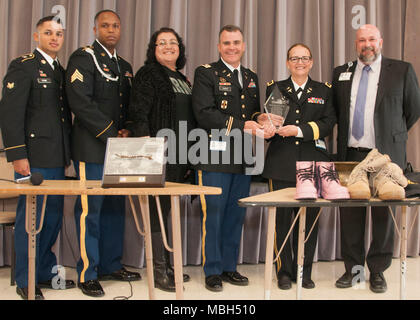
(284,282)
(345,281)
(214,283)
(308,283)
(23,292)
(235,278)
(121,275)
(92,288)
(377,282)
(69,284)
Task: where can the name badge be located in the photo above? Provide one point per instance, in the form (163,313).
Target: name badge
(321,144)
(44,80)
(218,146)
(345,76)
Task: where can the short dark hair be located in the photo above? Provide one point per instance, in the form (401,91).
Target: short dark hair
(104,11)
(298,45)
(231,28)
(49,18)
(151,50)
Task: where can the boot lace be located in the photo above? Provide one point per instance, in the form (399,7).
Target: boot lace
(330,174)
(305,174)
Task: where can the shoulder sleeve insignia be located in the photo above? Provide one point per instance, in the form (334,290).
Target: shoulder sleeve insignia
(207,66)
(77,76)
(28,56)
(329,85)
(269,84)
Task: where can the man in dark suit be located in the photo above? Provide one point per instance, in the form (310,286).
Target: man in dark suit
(98,88)
(226,97)
(36,124)
(377,101)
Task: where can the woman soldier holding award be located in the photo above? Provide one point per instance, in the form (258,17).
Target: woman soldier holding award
(295,149)
(161,99)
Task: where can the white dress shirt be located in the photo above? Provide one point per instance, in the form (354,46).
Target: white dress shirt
(368,140)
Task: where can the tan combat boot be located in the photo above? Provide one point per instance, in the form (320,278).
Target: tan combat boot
(389,182)
(358,184)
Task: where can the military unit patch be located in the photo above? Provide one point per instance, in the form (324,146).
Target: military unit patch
(77,76)
(10,85)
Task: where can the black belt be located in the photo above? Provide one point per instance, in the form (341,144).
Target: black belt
(360,149)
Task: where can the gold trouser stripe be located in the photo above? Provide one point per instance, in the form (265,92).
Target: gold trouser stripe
(315,129)
(204,209)
(11,148)
(109,126)
(276,250)
(85,210)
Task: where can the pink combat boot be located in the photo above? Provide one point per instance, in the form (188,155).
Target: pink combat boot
(329,183)
(305,181)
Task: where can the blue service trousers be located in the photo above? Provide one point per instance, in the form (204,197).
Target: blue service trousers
(100,230)
(45,258)
(223,221)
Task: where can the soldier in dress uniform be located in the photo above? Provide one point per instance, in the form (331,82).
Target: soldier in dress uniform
(98,84)
(311,118)
(226,97)
(36,124)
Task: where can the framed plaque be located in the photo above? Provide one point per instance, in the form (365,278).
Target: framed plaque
(134,163)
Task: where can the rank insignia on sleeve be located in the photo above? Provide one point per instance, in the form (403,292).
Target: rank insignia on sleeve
(77,76)
(10,85)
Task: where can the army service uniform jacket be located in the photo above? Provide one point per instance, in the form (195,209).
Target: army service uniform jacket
(35,118)
(314,114)
(219,103)
(98,100)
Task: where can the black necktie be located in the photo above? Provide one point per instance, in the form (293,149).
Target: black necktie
(236,77)
(57,72)
(299,91)
(114,60)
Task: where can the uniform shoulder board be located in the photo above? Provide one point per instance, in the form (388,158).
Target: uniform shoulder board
(87,47)
(329,85)
(207,66)
(27,57)
(269,84)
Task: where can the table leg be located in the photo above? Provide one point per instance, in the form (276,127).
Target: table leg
(269,252)
(31,230)
(145,212)
(403,253)
(301,253)
(177,245)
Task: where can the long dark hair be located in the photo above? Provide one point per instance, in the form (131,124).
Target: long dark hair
(151,50)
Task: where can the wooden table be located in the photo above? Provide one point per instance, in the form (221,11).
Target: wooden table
(285,198)
(90,188)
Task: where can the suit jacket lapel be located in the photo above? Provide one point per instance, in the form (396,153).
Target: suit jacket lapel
(44,66)
(289,91)
(347,87)
(385,72)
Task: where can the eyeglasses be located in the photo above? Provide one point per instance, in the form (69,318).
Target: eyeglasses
(305,59)
(164,43)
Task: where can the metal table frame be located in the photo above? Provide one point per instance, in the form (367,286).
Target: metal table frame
(285,198)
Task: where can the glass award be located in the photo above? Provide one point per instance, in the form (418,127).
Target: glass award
(277,104)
